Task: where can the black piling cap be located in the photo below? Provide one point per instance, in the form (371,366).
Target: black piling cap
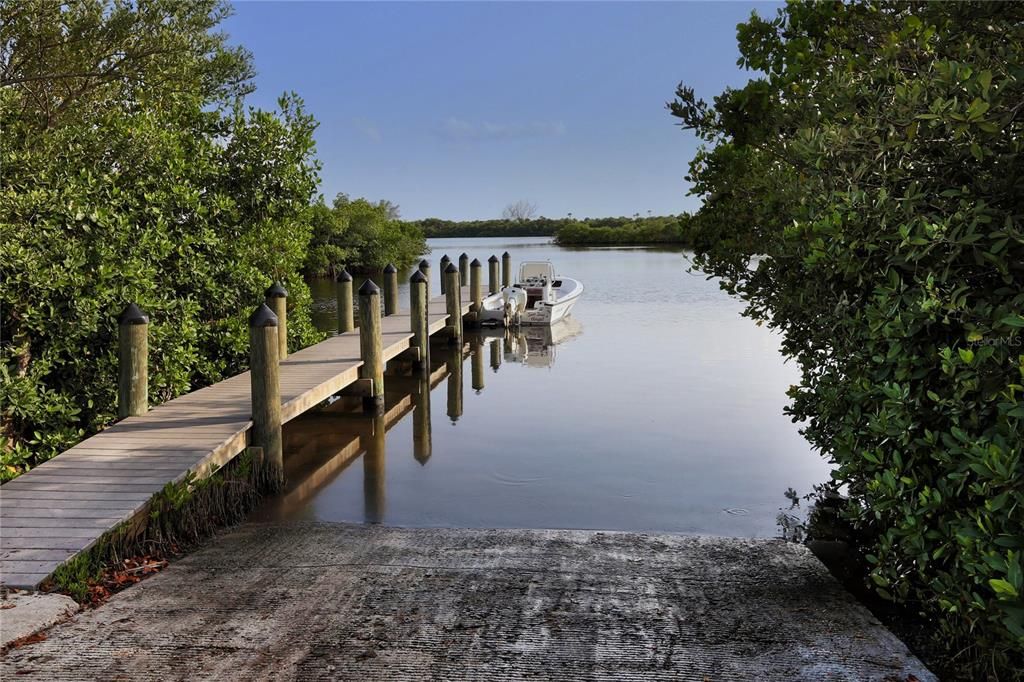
(263,316)
(343,276)
(369,289)
(132,314)
(424,264)
(277,291)
(475,263)
(451,268)
(390,269)
(446,259)
(464,256)
(506,255)
(418,277)
(492,259)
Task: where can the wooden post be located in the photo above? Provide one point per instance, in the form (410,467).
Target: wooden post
(418,317)
(371,349)
(277,300)
(390,289)
(493,283)
(476,349)
(346,316)
(421,439)
(455,382)
(374,482)
(445,262)
(453,299)
(264,378)
(506,269)
(476,289)
(425,269)
(463,269)
(133,362)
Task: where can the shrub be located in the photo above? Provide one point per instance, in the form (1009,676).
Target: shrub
(360,235)
(865,197)
(139,180)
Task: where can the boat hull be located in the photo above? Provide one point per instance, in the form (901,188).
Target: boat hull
(546,313)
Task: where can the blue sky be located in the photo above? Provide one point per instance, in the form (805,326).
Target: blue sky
(455,110)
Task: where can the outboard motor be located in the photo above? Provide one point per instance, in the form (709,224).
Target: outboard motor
(515,303)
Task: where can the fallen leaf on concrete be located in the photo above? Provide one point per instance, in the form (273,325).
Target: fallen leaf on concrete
(30,639)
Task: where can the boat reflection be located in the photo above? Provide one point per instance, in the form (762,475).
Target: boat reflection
(322,443)
(535,346)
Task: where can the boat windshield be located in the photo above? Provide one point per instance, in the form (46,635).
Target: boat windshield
(536,270)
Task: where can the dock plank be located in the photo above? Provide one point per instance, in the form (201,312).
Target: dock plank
(63,506)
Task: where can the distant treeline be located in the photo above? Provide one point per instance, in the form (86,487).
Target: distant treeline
(619,230)
(655,230)
(497,227)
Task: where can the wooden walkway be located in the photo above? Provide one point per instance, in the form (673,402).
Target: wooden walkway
(63,506)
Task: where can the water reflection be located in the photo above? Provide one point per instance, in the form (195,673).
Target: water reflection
(666,414)
(476,345)
(375,501)
(536,346)
(320,445)
(454,366)
(421,443)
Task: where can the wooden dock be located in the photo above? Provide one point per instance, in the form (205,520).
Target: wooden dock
(63,506)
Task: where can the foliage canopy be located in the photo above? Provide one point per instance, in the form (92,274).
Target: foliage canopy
(132,172)
(865,197)
(361,235)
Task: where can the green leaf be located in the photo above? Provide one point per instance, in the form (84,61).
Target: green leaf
(1013,321)
(1002,587)
(985,80)
(977,109)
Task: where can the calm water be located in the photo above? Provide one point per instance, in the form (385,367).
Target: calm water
(658,409)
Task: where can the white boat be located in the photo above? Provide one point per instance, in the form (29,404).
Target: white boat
(538,297)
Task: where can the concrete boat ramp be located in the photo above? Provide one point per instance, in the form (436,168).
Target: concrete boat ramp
(315,601)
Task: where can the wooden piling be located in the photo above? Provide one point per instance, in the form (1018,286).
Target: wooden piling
(264,368)
(418,318)
(463,269)
(371,350)
(493,283)
(445,262)
(346,303)
(277,300)
(390,289)
(506,269)
(133,362)
(476,289)
(425,269)
(453,300)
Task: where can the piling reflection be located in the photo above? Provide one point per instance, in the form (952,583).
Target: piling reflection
(495,346)
(476,350)
(374,484)
(321,444)
(455,357)
(421,442)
